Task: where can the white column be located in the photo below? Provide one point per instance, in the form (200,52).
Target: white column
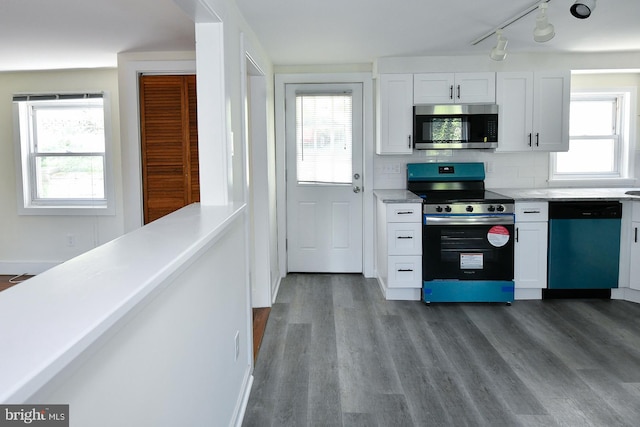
(213,137)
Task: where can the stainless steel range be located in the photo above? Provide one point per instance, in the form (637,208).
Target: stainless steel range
(468,234)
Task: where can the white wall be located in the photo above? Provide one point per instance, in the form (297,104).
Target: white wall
(31,244)
(171,360)
(240,43)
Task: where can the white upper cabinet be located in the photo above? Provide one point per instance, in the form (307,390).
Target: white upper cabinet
(394,114)
(454,88)
(534,111)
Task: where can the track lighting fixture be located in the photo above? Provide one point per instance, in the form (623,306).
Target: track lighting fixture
(499,53)
(582,9)
(543,31)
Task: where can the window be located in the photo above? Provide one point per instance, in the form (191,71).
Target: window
(63,143)
(599,145)
(323,138)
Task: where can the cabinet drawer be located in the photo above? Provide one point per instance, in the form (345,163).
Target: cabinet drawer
(404,212)
(532,211)
(404,238)
(405,271)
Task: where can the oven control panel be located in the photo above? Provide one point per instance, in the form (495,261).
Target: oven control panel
(469,208)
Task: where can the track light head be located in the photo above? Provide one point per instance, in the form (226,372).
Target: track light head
(499,53)
(543,31)
(582,9)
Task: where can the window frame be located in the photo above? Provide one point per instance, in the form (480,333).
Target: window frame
(28,201)
(623,153)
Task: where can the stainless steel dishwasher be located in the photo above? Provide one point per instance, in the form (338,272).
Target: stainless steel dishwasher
(584,248)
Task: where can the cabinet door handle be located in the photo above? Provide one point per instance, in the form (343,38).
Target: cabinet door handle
(635,234)
(537,139)
(404,213)
(458,91)
(451,92)
(409,138)
(531,212)
(404,270)
(517,234)
(529,139)
(405,237)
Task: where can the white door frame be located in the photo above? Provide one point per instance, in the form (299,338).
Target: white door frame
(130,66)
(367,162)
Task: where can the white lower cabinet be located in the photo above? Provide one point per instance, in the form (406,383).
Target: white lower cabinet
(530,250)
(404,271)
(634,251)
(399,249)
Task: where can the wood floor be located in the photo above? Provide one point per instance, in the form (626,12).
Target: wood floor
(7,281)
(336,354)
(260,317)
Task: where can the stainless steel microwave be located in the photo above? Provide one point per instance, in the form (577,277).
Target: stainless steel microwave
(455,126)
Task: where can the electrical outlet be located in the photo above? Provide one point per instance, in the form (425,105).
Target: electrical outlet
(237,344)
(391,169)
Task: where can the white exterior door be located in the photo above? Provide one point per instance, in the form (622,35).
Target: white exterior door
(324,133)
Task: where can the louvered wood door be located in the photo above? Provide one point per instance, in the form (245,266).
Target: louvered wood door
(169,132)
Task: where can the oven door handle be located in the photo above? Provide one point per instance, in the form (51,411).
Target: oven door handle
(469,220)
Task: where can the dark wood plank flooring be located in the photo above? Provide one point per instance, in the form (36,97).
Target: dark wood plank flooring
(335,353)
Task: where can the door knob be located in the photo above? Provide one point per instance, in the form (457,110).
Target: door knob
(356,189)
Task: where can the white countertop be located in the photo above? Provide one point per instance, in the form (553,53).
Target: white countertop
(49,320)
(566,194)
(526,194)
(397,196)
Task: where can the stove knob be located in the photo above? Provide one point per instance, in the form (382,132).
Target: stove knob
(438,208)
(491,208)
(500,208)
(469,208)
(447,208)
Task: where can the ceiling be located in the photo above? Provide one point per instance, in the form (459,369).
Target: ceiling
(39,34)
(56,34)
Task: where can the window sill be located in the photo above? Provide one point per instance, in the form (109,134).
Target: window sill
(67,210)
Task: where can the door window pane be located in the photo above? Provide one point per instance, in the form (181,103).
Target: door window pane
(324,138)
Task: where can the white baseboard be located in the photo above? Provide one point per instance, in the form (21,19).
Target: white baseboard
(626,294)
(26,267)
(399,294)
(404,294)
(275,288)
(527,293)
(245,401)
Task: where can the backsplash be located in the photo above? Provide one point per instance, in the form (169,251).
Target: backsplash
(503,170)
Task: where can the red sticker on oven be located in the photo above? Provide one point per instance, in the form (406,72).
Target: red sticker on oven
(498,236)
